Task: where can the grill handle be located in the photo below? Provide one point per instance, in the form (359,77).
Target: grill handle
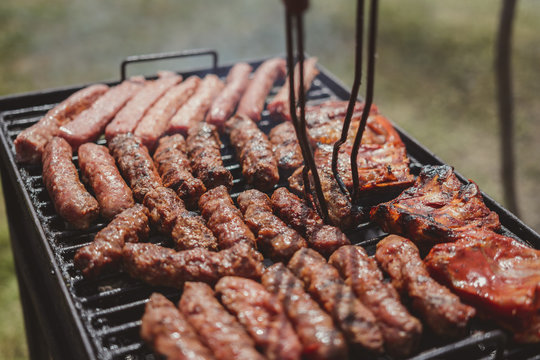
(167,55)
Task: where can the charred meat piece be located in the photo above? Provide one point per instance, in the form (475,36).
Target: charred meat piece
(135,164)
(105,253)
(401,331)
(169,215)
(195,109)
(224,219)
(161,266)
(274,237)
(441,310)
(262,316)
(341,212)
(99,170)
(298,215)
(285,146)
(168,332)
(322,281)
(204,151)
(254,151)
(497,274)
(30,143)
(225,103)
(156,121)
(89,124)
(175,169)
(252,103)
(435,209)
(69,196)
(315,328)
(218,329)
(279,106)
(127,119)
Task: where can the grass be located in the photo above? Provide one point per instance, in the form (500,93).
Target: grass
(434,74)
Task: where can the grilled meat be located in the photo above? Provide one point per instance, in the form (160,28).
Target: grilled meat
(31,142)
(135,164)
(99,170)
(279,107)
(69,196)
(195,109)
(224,219)
(105,252)
(169,215)
(225,103)
(168,332)
(156,121)
(217,329)
(315,328)
(401,331)
(441,310)
(89,124)
(285,146)
(496,274)
(322,281)
(129,117)
(174,166)
(435,209)
(254,151)
(262,316)
(204,151)
(274,237)
(298,215)
(161,266)
(252,103)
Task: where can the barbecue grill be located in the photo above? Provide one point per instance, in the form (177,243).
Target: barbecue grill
(70,317)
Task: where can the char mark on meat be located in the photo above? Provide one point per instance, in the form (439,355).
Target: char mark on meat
(262,315)
(254,152)
(105,252)
(174,166)
(224,219)
(204,151)
(323,282)
(160,266)
(320,339)
(31,142)
(168,332)
(135,164)
(274,237)
(69,196)
(286,147)
(401,331)
(298,215)
(436,208)
(441,310)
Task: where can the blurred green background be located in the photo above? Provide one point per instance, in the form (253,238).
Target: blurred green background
(434,74)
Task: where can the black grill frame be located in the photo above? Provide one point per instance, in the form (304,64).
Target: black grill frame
(79,326)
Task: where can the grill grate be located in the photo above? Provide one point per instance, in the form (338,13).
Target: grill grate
(110,308)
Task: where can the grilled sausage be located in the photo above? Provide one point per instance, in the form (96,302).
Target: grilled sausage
(127,119)
(105,252)
(225,103)
(168,332)
(89,124)
(285,147)
(71,200)
(154,124)
(31,142)
(252,103)
(99,170)
(195,109)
